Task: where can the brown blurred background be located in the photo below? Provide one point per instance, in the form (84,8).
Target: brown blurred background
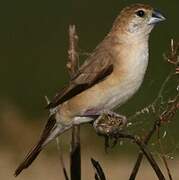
(33,54)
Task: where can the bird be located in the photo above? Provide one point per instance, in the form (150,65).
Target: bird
(110,75)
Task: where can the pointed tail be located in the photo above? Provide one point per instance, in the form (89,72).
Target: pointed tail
(49,133)
(31,156)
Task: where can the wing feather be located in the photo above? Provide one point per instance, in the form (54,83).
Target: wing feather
(96,68)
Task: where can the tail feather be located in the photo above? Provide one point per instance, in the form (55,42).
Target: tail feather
(46,137)
(31,156)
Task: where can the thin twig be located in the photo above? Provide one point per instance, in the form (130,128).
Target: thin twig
(159,96)
(73,58)
(146,152)
(163,157)
(61,159)
(140,155)
(72,66)
(165,117)
(99,173)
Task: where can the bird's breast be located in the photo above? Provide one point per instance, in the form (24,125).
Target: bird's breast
(128,80)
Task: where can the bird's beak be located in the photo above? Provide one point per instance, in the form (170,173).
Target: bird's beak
(156,17)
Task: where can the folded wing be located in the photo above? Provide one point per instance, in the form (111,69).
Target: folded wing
(96,68)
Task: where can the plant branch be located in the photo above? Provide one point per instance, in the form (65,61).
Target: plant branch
(163,156)
(72,66)
(99,173)
(73,58)
(61,159)
(147,153)
(75,155)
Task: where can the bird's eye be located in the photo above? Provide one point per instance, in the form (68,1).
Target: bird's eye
(140,13)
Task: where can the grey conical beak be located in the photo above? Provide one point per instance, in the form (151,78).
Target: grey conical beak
(156,17)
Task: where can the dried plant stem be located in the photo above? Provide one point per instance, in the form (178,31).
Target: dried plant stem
(99,173)
(140,155)
(61,159)
(146,152)
(72,66)
(75,156)
(73,58)
(163,157)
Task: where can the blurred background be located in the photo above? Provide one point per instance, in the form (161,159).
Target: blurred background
(33,55)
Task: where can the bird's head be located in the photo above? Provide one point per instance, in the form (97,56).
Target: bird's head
(137,19)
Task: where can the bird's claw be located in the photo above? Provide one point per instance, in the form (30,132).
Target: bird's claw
(108,124)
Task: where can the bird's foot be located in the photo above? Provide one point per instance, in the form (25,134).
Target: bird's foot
(108,124)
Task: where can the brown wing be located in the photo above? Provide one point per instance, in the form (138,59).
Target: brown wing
(96,68)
